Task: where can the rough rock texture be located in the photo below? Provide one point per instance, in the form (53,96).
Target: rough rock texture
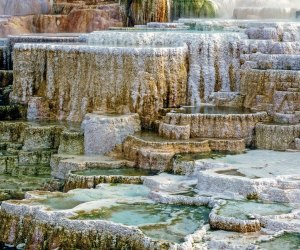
(71,142)
(276,137)
(24,169)
(25,144)
(12,131)
(220,222)
(227,145)
(269,47)
(152,154)
(74,181)
(174,131)
(214,58)
(79,20)
(47,231)
(78,79)
(273,91)
(102,133)
(238,126)
(45,137)
(82,19)
(274,61)
(62,164)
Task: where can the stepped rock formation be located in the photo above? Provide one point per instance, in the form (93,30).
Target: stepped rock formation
(213,58)
(230,126)
(276,137)
(274,91)
(77,79)
(102,133)
(152,81)
(38,16)
(184,98)
(78,20)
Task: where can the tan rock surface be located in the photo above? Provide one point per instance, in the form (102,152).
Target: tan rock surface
(77,79)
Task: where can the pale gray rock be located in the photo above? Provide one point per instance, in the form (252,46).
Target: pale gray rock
(171,131)
(102,133)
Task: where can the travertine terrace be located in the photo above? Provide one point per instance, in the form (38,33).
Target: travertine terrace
(157,124)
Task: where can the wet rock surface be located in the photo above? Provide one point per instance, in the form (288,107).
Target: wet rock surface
(191,182)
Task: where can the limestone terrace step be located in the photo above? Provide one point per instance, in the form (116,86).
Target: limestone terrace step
(275,61)
(248,46)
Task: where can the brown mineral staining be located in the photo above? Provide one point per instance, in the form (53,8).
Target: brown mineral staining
(64,16)
(63,82)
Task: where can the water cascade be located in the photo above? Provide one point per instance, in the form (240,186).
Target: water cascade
(137,12)
(140,12)
(192,9)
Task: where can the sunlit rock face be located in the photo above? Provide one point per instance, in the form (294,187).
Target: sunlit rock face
(274,91)
(218,126)
(102,133)
(213,58)
(38,16)
(23,8)
(276,137)
(78,79)
(79,20)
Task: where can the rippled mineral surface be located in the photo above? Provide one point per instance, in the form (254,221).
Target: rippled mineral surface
(150,125)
